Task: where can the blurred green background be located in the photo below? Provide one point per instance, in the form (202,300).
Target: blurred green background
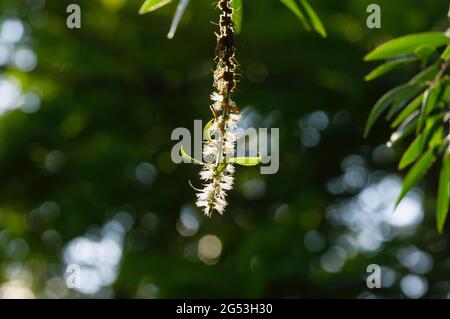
(86,176)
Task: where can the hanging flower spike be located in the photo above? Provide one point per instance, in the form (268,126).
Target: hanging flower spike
(218,172)
(220,133)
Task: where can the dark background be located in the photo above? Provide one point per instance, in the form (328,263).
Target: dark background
(86,176)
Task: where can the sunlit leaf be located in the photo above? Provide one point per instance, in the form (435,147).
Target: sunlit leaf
(407,45)
(426,75)
(152,5)
(425,51)
(404,97)
(443,193)
(246,161)
(237,15)
(446,54)
(189,159)
(292,5)
(387,67)
(413,152)
(407,128)
(416,173)
(408,110)
(207,130)
(314,19)
(437,138)
(430,98)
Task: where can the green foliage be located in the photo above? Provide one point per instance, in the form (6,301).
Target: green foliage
(423,107)
(307,16)
(314,19)
(387,67)
(188,158)
(207,130)
(152,5)
(383,103)
(309,19)
(246,161)
(446,54)
(413,152)
(407,44)
(416,173)
(237,16)
(443,193)
(425,51)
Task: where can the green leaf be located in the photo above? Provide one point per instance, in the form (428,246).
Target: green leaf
(408,110)
(430,98)
(152,5)
(416,173)
(292,5)
(446,54)
(314,19)
(436,140)
(404,97)
(382,104)
(387,67)
(407,45)
(425,51)
(207,130)
(237,15)
(189,159)
(413,152)
(246,161)
(443,193)
(426,75)
(407,127)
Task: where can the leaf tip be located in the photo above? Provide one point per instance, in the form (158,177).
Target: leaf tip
(368,57)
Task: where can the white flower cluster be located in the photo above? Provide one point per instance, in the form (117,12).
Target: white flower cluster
(217,173)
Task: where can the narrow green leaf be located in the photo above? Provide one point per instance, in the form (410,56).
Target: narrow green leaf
(416,173)
(152,5)
(246,161)
(382,104)
(314,19)
(425,51)
(387,67)
(189,159)
(425,75)
(446,54)
(237,15)
(409,93)
(436,139)
(413,152)
(407,45)
(432,128)
(430,98)
(406,129)
(443,193)
(207,130)
(292,5)
(408,110)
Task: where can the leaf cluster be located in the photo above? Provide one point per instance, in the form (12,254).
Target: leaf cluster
(419,108)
